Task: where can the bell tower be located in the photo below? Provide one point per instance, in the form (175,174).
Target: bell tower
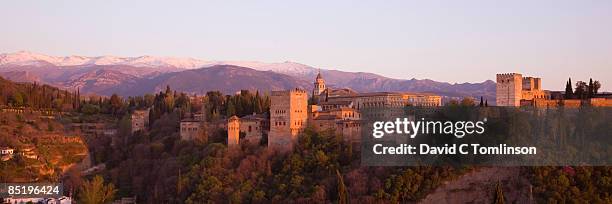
(319,85)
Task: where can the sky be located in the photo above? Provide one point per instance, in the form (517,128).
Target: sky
(451,41)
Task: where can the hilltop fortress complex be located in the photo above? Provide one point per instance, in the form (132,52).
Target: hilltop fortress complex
(344,111)
(513,89)
(336,110)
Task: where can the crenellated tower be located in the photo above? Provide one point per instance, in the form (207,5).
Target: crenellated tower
(288,117)
(509,89)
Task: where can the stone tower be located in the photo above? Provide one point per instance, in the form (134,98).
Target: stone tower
(233,131)
(509,89)
(319,86)
(288,117)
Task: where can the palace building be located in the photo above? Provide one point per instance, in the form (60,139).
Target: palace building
(335,110)
(328,97)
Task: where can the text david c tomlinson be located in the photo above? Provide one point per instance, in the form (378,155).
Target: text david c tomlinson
(424,149)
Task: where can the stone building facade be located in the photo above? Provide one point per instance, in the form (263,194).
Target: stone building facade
(288,117)
(191,129)
(343,121)
(251,129)
(254,127)
(233,131)
(140,120)
(341,97)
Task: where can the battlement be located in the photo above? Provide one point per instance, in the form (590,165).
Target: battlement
(508,74)
(288,92)
(297,90)
(505,77)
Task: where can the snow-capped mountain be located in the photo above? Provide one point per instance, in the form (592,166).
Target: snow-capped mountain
(139,75)
(25,58)
(287,67)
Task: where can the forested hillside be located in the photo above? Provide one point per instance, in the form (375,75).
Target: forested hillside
(37,96)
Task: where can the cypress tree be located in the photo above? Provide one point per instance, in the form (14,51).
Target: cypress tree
(342,192)
(231,109)
(590,88)
(179,186)
(568,89)
(499,194)
(257,105)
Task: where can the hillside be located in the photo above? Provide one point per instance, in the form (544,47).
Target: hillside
(225,78)
(49,150)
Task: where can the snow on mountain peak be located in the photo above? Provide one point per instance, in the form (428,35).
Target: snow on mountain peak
(23,58)
(34,59)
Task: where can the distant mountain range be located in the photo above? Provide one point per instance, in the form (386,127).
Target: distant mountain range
(129,76)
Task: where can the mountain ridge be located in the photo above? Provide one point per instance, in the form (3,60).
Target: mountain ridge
(137,75)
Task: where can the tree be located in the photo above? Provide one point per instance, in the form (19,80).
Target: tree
(96,192)
(499,194)
(125,126)
(18,99)
(581,89)
(257,107)
(342,192)
(590,89)
(90,109)
(168,90)
(116,103)
(467,102)
(231,109)
(481,102)
(596,86)
(72,179)
(568,89)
